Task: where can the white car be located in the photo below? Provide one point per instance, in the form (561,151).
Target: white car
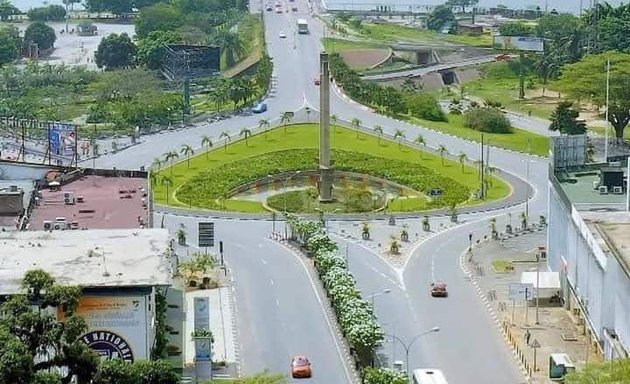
(282,35)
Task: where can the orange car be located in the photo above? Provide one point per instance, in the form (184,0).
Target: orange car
(301,367)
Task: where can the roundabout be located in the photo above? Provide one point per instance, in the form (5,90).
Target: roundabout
(277,170)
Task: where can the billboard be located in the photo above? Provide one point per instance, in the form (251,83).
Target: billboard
(117,326)
(519,43)
(62,138)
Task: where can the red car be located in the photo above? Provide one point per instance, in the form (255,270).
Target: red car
(439,290)
(301,367)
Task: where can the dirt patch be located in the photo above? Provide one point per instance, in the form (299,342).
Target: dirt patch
(364,58)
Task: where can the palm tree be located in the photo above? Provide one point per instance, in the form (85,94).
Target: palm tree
(420,141)
(378,129)
(157,164)
(231,43)
(400,135)
(167,182)
(187,151)
(206,141)
(333,121)
(225,135)
(286,119)
(356,123)
(264,124)
(247,133)
(170,156)
(462,157)
(443,151)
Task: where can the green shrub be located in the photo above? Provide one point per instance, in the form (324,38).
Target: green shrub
(426,107)
(487,120)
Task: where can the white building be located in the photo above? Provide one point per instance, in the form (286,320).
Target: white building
(589,245)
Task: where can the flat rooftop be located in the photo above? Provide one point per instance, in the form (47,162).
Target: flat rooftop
(95,258)
(613,229)
(100,203)
(580,188)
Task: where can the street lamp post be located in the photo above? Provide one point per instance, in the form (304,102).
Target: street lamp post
(376,294)
(407,347)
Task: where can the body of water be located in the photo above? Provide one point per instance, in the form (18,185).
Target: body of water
(572,6)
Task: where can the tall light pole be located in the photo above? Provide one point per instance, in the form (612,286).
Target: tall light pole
(376,294)
(407,346)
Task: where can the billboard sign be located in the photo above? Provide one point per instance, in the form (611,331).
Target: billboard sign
(62,138)
(117,326)
(519,43)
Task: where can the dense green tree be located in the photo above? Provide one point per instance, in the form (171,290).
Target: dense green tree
(565,120)
(152,48)
(10,43)
(606,27)
(230,43)
(556,27)
(441,15)
(7,9)
(158,17)
(125,85)
(586,80)
(27,331)
(139,372)
(115,51)
(487,119)
(425,106)
(40,34)
(614,33)
(609,372)
(547,67)
(517,28)
(52,12)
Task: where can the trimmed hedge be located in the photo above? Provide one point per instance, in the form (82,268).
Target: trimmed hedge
(205,188)
(487,119)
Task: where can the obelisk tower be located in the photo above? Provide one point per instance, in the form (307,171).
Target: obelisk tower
(325,171)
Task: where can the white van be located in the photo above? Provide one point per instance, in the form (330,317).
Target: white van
(428,376)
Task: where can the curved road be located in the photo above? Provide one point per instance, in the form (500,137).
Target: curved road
(468,348)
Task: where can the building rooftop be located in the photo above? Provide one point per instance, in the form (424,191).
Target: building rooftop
(95,258)
(98,202)
(612,231)
(582,189)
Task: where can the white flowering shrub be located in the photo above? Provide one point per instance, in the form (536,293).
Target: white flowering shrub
(320,242)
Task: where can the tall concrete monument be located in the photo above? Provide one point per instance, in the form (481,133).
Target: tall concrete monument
(325,170)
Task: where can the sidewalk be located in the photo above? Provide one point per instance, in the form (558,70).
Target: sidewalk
(557,330)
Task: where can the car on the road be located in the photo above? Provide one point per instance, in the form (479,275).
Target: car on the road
(301,367)
(294,8)
(439,290)
(316,80)
(260,108)
(269,8)
(282,35)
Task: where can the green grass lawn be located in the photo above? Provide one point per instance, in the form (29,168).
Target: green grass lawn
(396,33)
(307,136)
(501,84)
(521,140)
(339,45)
(502,266)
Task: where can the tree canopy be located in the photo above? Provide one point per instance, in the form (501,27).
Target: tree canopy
(7,9)
(586,81)
(51,12)
(565,120)
(115,51)
(10,44)
(40,34)
(517,28)
(441,15)
(151,49)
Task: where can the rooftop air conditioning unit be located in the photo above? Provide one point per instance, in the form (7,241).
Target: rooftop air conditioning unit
(603,190)
(618,190)
(59,226)
(68,198)
(48,225)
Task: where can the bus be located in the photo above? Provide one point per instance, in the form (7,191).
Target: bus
(428,376)
(302,26)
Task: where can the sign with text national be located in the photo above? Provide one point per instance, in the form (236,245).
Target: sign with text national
(117,326)
(519,43)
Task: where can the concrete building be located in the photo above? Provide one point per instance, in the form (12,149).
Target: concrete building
(589,244)
(118,270)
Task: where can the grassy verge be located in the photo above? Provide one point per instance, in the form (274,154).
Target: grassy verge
(611,132)
(521,140)
(396,33)
(333,45)
(500,83)
(306,136)
(502,266)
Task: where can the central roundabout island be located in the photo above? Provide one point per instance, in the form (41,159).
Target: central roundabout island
(280,170)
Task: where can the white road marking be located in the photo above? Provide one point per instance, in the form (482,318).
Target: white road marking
(324,310)
(277,303)
(271,281)
(263,261)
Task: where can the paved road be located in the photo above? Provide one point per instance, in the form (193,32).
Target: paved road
(417,72)
(468,348)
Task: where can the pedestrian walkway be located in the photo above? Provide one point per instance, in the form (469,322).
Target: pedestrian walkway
(533,335)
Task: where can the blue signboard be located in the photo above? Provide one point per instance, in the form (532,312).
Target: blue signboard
(62,138)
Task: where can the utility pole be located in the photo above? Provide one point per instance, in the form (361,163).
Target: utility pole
(482,194)
(325,170)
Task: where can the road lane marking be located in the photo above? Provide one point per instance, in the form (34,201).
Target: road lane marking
(263,261)
(277,303)
(323,307)
(271,281)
